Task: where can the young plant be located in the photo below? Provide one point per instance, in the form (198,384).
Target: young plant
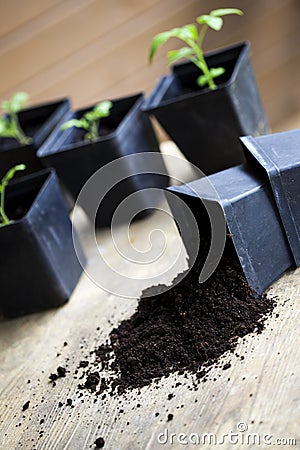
(4,220)
(9,122)
(90,120)
(193,37)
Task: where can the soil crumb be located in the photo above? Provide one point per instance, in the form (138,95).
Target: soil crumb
(99,442)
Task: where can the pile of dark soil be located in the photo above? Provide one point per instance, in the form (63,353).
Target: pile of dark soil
(184,329)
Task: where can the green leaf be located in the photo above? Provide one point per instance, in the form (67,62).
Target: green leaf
(225,12)
(6,128)
(74,123)
(90,116)
(7,134)
(159,40)
(202,80)
(175,55)
(189,32)
(3,125)
(103,108)
(17,101)
(185,33)
(215,23)
(217,71)
(214,72)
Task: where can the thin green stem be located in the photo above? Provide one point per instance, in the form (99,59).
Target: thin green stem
(201,63)
(93,131)
(202,35)
(4,182)
(4,219)
(20,136)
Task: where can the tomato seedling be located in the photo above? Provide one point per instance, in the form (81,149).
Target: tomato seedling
(9,122)
(193,37)
(90,120)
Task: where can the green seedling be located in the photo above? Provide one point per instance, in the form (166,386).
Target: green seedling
(90,120)
(4,220)
(193,36)
(9,122)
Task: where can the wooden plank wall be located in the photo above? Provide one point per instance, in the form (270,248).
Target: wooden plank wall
(96,49)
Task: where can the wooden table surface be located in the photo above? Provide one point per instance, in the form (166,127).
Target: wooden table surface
(259,394)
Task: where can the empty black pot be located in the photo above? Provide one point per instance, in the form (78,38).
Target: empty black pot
(37,123)
(39,265)
(252,218)
(279,156)
(127,131)
(206,124)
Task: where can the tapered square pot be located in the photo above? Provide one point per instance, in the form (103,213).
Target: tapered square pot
(279,156)
(253,222)
(126,132)
(37,122)
(39,265)
(206,124)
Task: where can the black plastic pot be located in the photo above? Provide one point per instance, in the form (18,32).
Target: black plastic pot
(127,131)
(37,123)
(206,124)
(252,220)
(39,265)
(279,156)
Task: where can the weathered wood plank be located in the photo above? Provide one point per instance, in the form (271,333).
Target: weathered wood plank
(74,29)
(83,49)
(262,391)
(15,13)
(111,56)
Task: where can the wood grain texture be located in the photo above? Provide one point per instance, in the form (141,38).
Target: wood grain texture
(14,13)
(261,391)
(92,49)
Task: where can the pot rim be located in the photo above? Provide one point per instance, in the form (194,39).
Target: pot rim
(41,133)
(54,144)
(155,101)
(49,176)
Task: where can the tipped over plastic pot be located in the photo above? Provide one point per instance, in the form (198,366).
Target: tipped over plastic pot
(252,219)
(279,156)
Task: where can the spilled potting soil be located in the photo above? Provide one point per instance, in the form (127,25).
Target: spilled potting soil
(186,331)
(187,328)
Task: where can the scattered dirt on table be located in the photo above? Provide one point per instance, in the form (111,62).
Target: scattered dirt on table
(187,328)
(60,373)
